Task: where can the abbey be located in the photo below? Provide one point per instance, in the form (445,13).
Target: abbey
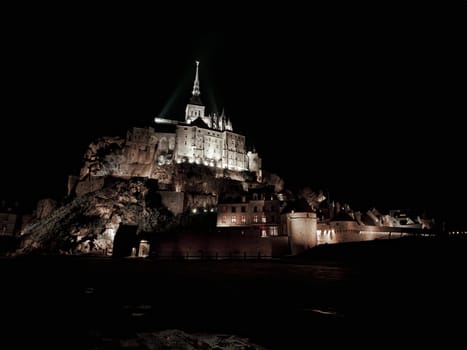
(206,139)
(201,139)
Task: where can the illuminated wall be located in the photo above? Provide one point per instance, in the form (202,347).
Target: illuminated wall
(262,214)
(165,147)
(254,161)
(301,229)
(234,155)
(339,232)
(194,111)
(305,232)
(224,149)
(199,145)
(349,231)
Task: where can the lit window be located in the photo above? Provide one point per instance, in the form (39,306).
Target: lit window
(263,233)
(243,219)
(224,219)
(234,219)
(255,218)
(273,231)
(263,219)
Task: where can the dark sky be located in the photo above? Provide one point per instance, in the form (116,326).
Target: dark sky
(369,115)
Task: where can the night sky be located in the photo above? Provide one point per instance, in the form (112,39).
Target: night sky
(370,116)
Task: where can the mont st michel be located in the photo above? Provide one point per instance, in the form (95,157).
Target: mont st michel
(177,236)
(196,188)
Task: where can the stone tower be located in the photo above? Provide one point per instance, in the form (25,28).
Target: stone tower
(195,108)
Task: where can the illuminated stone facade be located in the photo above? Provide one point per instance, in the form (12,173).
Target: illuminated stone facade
(208,139)
(260,217)
(301,229)
(305,231)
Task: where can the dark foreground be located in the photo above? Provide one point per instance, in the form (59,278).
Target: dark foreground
(407,293)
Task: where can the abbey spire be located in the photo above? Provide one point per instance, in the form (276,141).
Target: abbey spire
(195,108)
(204,138)
(196,91)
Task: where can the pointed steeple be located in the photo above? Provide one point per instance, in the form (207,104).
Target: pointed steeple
(195,108)
(195,99)
(196,91)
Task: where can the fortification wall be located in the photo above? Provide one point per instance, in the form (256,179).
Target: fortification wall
(217,246)
(352,232)
(301,230)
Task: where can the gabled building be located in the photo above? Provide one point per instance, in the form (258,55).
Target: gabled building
(257,215)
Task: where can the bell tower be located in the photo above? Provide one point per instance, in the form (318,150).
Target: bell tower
(195,108)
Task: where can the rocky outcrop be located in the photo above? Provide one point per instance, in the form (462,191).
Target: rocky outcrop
(45,207)
(192,179)
(123,181)
(89,223)
(103,156)
(89,184)
(138,154)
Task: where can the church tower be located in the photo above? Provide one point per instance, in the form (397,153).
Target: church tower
(195,108)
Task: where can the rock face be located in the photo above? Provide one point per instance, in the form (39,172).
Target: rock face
(45,207)
(123,182)
(88,224)
(103,156)
(149,154)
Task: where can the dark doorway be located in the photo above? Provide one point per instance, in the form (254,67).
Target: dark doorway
(124,240)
